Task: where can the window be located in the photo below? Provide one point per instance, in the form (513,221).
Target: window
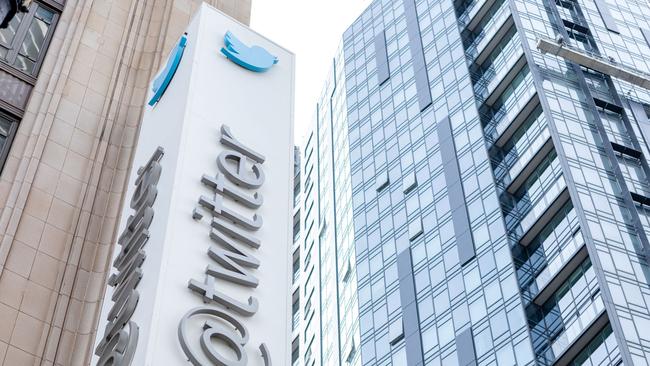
(295,308)
(8,129)
(22,49)
(351,354)
(382,181)
(296,226)
(23,43)
(608,19)
(296,265)
(348,273)
(295,353)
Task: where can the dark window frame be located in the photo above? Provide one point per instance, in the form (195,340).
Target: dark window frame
(22,33)
(11,134)
(8,112)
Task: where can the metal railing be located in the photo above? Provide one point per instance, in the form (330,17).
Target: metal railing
(606,65)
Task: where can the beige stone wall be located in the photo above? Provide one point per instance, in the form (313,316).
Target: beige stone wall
(61,189)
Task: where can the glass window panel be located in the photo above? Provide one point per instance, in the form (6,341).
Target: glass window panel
(32,45)
(44,15)
(24,64)
(429,339)
(446,332)
(32,28)
(483,342)
(7,35)
(4,132)
(505,355)
(399,358)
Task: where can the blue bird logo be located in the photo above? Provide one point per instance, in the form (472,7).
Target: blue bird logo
(161,82)
(253,58)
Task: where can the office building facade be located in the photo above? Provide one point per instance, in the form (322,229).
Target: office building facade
(499,181)
(326,320)
(74,76)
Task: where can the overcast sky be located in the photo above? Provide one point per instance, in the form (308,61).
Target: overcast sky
(312,29)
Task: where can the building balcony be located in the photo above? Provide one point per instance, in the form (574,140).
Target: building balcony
(602,349)
(474,13)
(500,68)
(517,148)
(295,351)
(484,41)
(570,318)
(547,262)
(512,111)
(507,125)
(496,85)
(543,210)
(528,160)
(532,208)
(578,335)
(558,268)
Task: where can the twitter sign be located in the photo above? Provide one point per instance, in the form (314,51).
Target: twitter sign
(217,278)
(253,58)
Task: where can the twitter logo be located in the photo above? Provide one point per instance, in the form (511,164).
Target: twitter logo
(163,79)
(253,58)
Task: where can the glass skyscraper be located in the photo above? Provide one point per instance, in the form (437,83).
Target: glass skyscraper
(326,312)
(475,189)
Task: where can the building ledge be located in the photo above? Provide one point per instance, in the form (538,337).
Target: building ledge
(517,121)
(583,340)
(530,166)
(478,12)
(541,222)
(560,277)
(486,45)
(497,86)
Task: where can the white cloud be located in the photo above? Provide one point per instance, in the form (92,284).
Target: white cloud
(313,30)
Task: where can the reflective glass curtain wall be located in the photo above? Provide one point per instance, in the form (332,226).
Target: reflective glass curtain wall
(499,194)
(328,328)
(434,266)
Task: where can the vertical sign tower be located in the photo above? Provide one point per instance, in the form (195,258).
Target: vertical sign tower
(201,274)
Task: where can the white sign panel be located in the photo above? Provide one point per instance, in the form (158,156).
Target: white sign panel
(201,272)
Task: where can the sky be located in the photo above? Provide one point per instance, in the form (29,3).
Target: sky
(312,30)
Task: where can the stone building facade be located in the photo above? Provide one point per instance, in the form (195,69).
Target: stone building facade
(73,80)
